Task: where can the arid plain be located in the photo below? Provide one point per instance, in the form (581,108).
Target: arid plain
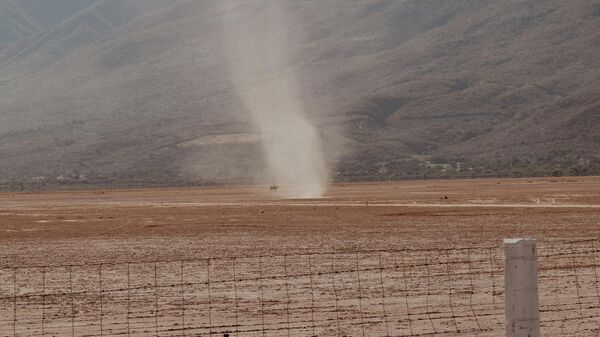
(121,225)
(375,259)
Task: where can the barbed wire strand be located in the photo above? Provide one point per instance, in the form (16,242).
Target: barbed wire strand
(579,304)
(312,294)
(224,281)
(72,302)
(237,305)
(360,306)
(262,296)
(337,313)
(472,290)
(595,272)
(490,253)
(57,305)
(385,322)
(287,294)
(557,297)
(596,278)
(14,302)
(348,271)
(428,282)
(181,270)
(210,326)
(373,319)
(43,300)
(170,330)
(128,300)
(321,253)
(100,299)
(406,293)
(156,297)
(450,289)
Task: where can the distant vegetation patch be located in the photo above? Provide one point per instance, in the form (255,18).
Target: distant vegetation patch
(380,108)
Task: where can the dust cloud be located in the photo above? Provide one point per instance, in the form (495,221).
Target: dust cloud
(257,47)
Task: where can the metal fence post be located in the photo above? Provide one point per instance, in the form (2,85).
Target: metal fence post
(521,288)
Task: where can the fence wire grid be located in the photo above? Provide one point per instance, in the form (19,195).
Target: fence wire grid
(437,292)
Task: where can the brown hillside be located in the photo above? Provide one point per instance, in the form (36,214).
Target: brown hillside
(395,88)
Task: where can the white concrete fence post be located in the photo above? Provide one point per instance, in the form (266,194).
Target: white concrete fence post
(521,288)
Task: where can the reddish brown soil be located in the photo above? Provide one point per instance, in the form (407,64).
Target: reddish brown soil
(356,292)
(122,225)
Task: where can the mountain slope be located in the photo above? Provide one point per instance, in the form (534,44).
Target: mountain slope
(49,13)
(15,24)
(396,89)
(98,20)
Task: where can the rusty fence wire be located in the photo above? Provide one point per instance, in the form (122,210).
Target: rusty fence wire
(569,288)
(428,292)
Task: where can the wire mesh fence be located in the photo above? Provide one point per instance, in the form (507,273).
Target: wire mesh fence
(437,292)
(569,288)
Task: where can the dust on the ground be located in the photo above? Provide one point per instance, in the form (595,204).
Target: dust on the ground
(125,225)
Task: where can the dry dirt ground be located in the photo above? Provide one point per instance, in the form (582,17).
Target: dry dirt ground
(81,263)
(121,225)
